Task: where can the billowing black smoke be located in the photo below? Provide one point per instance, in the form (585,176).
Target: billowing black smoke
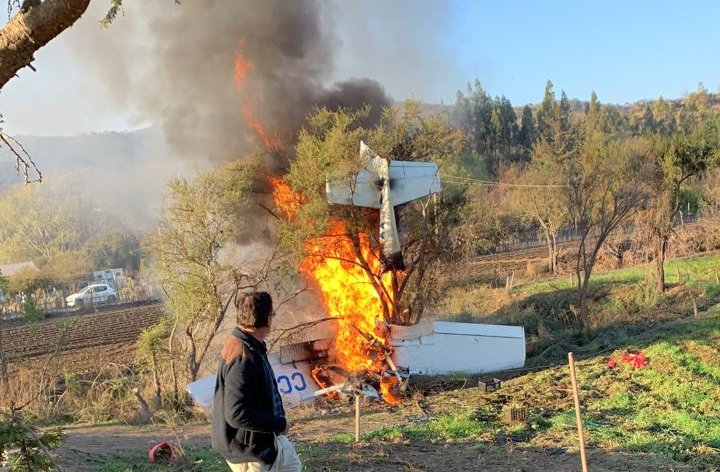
(174,65)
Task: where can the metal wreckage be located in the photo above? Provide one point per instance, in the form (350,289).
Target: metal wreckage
(309,369)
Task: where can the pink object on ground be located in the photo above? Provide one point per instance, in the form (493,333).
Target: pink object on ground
(161,450)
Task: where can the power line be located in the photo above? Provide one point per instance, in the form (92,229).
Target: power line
(459,179)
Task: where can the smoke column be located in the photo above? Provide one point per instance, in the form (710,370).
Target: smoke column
(173,64)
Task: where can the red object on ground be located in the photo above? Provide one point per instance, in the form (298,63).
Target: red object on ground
(611,363)
(635,361)
(161,450)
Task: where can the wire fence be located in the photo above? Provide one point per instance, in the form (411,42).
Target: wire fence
(53,301)
(536,238)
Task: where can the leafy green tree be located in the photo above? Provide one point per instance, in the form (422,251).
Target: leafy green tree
(26,449)
(546,113)
(328,148)
(152,354)
(42,222)
(527,134)
(676,160)
(117,249)
(202,216)
(664,117)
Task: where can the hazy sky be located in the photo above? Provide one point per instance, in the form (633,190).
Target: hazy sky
(426,50)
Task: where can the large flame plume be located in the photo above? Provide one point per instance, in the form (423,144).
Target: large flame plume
(343,271)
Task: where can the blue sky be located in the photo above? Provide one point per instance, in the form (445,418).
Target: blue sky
(427,50)
(624,50)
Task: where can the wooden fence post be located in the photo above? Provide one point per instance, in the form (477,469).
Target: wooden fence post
(576,395)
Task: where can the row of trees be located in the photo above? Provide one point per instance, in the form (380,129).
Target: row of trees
(592,167)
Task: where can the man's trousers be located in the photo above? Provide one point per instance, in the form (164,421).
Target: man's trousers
(287,459)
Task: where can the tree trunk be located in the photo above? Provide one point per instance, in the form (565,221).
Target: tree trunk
(32,28)
(156,381)
(171,351)
(551,249)
(3,364)
(660,251)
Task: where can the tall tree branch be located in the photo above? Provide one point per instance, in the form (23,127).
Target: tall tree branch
(32,28)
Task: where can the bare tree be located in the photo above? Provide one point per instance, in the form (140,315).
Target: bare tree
(540,195)
(606,187)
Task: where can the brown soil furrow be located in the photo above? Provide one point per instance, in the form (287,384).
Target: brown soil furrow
(79,332)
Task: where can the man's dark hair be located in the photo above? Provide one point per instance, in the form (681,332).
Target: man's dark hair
(254,309)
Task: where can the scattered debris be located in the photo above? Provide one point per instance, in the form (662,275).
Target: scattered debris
(489,385)
(632,360)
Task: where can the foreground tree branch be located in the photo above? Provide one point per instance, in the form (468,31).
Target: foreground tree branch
(32,28)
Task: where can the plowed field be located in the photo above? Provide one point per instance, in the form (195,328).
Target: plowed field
(79,333)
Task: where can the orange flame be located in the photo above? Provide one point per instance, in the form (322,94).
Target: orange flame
(342,270)
(286,200)
(386,389)
(243,66)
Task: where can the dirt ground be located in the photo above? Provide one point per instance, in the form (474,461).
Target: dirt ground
(88,448)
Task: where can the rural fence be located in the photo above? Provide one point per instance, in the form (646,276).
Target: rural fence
(536,238)
(52,301)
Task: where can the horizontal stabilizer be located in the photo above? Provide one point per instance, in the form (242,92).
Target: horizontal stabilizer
(408,181)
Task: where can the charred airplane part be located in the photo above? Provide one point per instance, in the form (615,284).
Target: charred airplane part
(385,184)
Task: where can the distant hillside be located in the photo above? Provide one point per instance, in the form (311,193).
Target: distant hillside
(126,171)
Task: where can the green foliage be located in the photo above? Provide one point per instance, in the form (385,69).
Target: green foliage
(495,139)
(3,286)
(202,217)
(26,449)
(153,340)
(460,424)
(31,312)
(328,149)
(117,249)
(196,459)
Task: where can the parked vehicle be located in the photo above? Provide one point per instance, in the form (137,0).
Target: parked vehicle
(94,294)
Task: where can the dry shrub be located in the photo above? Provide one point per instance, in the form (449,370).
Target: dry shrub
(702,237)
(537,267)
(94,397)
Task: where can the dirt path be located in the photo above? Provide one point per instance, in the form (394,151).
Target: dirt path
(88,448)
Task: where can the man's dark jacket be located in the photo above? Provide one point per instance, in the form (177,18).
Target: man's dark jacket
(244,424)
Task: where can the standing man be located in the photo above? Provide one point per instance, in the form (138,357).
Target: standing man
(249,423)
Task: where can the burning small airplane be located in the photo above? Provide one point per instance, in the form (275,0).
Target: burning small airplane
(431,348)
(319,364)
(386,184)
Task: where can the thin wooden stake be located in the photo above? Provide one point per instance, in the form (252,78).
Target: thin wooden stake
(581,435)
(357,417)
(717,278)
(695,308)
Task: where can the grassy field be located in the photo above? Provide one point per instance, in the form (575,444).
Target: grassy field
(671,408)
